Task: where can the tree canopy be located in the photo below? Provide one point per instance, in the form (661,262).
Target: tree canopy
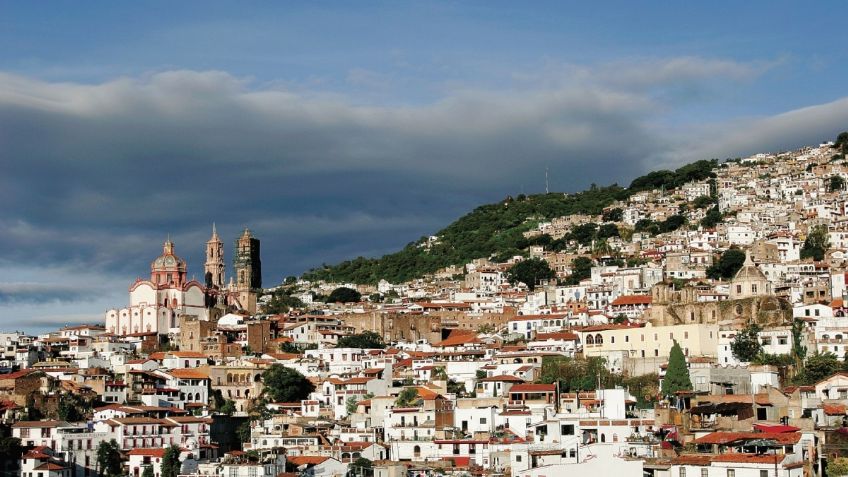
(746,345)
(109,458)
(530,272)
(344,295)
(497,229)
(817,367)
(364,340)
(284,384)
(171,462)
(676,374)
(816,243)
(727,266)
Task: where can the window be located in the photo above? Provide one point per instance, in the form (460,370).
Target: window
(704,472)
(731,472)
(518,458)
(482,420)
(567,429)
(683,472)
(764,473)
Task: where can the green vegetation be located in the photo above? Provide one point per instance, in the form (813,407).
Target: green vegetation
(841,144)
(361,467)
(364,340)
(677,373)
(530,272)
(344,295)
(496,230)
(243,432)
(584,374)
(713,218)
(282,302)
(817,367)
(836,183)
(746,345)
(109,459)
(407,398)
(353,401)
(581,269)
(727,266)
(816,243)
(171,461)
(71,408)
(285,384)
(702,202)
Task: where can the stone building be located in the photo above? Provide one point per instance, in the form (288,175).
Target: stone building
(675,307)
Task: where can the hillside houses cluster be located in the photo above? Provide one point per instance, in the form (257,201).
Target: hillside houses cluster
(472,372)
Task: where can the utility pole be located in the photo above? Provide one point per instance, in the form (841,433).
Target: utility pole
(547,191)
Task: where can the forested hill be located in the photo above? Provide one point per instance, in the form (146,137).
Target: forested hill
(495,230)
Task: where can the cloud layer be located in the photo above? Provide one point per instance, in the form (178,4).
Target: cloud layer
(95,175)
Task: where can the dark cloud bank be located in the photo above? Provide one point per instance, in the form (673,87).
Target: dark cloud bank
(97,175)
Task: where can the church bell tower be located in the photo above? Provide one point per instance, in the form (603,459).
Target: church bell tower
(214,268)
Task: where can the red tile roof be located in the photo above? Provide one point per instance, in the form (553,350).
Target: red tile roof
(533,388)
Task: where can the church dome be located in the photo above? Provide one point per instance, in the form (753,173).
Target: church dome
(168,261)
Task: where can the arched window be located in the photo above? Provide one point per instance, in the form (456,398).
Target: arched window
(589,339)
(599,339)
(603,437)
(416,451)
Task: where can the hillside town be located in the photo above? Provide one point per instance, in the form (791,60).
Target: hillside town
(695,331)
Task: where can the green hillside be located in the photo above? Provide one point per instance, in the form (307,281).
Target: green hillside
(496,229)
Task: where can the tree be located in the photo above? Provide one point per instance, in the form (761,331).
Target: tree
(613,215)
(408,397)
(439,373)
(282,302)
(228,408)
(530,272)
(583,233)
(841,143)
(109,458)
(581,269)
(746,345)
(712,218)
(819,366)
(148,471)
(702,201)
(816,243)
(837,466)
(836,183)
(672,223)
(353,401)
(676,374)
(11,450)
(68,410)
(361,467)
(284,384)
(344,295)
(607,230)
(364,340)
(171,462)
(243,432)
(727,266)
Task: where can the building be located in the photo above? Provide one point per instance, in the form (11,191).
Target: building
(157,303)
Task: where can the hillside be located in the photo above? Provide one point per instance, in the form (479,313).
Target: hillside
(496,229)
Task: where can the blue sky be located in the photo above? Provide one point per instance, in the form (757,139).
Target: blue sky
(338,129)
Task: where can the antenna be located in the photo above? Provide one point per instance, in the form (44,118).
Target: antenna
(546,180)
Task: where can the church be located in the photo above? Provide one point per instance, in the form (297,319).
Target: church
(157,304)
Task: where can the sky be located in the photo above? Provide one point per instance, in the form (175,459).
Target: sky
(340,129)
